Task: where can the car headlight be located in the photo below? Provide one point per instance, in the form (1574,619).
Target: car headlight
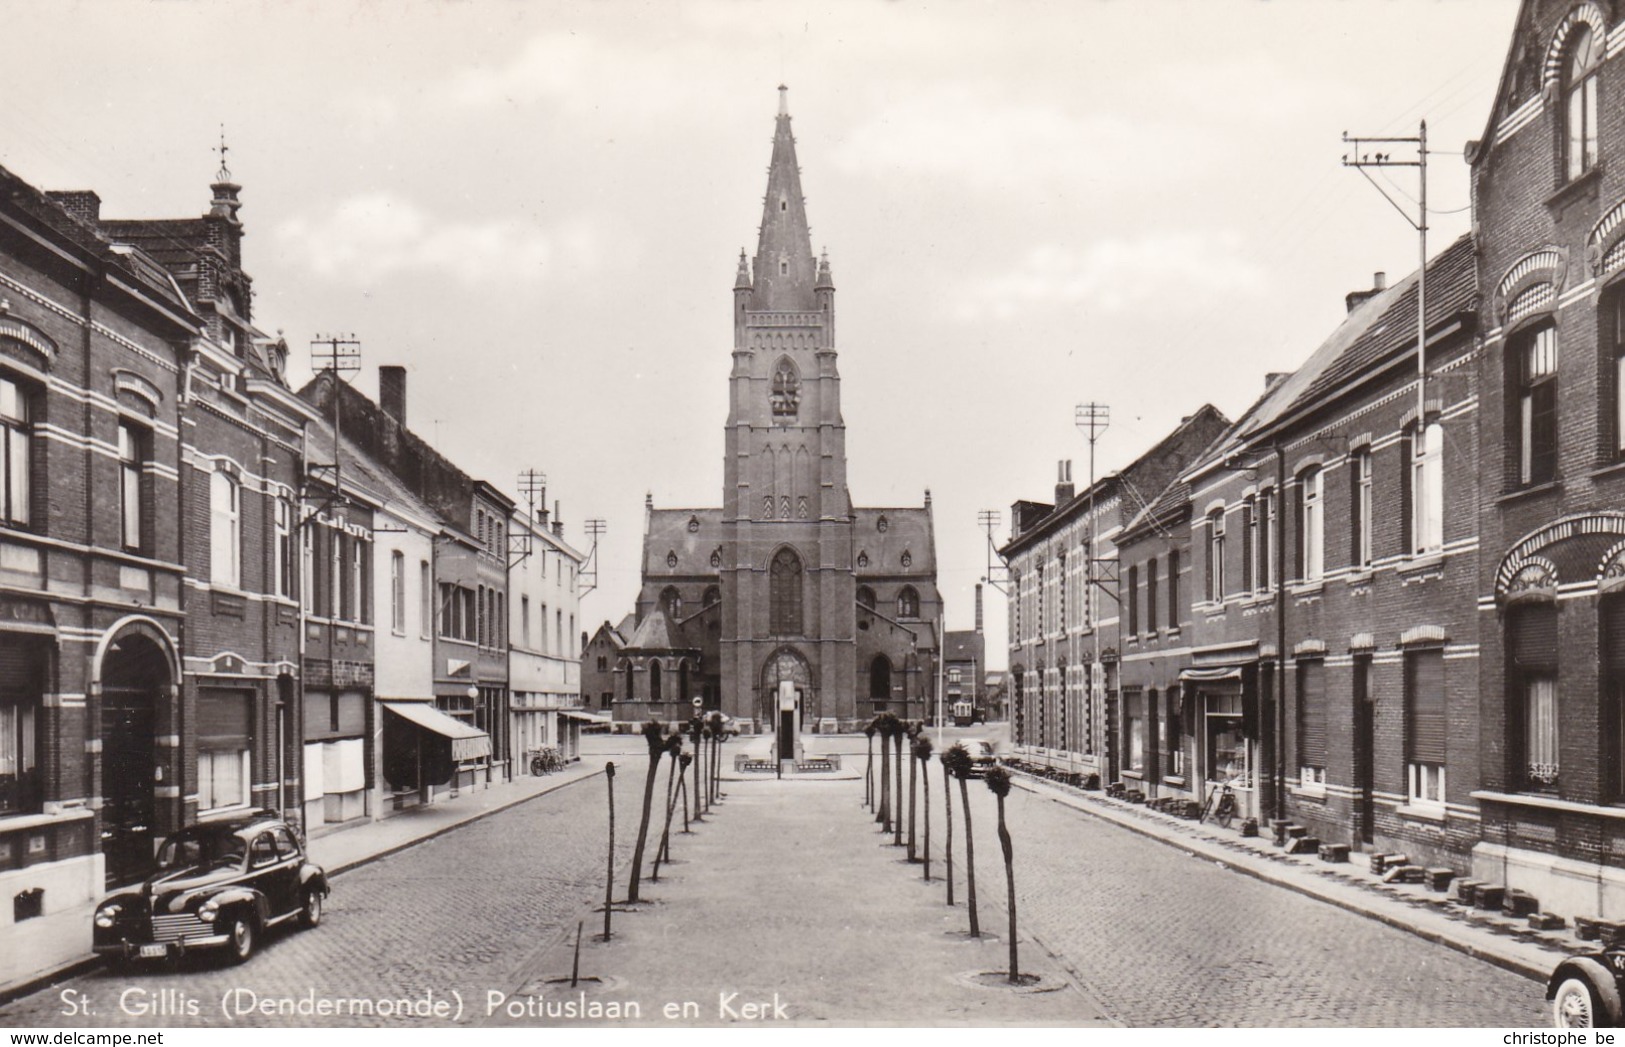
(209,911)
(106,915)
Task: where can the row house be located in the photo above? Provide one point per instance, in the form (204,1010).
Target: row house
(1548,192)
(545,662)
(600,654)
(96,358)
(1330,667)
(1065,618)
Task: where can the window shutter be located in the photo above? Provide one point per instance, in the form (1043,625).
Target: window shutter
(1613,637)
(1312,714)
(1534,638)
(1407,498)
(224,720)
(1425,693)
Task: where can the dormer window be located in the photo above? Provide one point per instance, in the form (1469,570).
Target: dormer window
(1580,102)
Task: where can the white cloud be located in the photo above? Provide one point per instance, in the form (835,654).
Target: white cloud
(1113,275)
(368,238)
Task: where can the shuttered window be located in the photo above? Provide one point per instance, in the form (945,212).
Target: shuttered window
(1312,721)
(1424,706)
(1612,663)
(1534,638)
(1533,682)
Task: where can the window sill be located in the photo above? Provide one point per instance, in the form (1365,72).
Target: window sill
(22,822)
(1174,779)
(1425,812)
(1309,588)
(1532,491)
(1138,776)
(1609,469)
(1422,562)
(1550,803)
(1575,187)
(1362,576)
(1308,792)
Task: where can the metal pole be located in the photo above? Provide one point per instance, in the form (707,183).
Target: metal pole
(1421,289)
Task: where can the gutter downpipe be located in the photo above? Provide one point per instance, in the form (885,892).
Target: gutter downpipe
(1280,630)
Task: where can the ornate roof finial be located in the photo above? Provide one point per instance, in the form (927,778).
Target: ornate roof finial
(742,278)
(784,100)
(224,174)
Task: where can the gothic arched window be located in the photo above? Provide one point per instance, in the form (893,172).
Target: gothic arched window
(908,603)
(713,596)
(784,594)
(866,597)
(671,601)
(654,681)
(786,397)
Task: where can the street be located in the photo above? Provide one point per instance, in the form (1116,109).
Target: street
(1154,936)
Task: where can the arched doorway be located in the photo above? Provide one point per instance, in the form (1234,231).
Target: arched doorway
(786,666)
(880,680)
(135,680)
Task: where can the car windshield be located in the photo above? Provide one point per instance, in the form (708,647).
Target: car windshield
(201,848)
(986,747)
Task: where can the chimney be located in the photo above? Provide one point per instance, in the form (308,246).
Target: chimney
(81,203)
(978,606)
(1063,482)
(1379,284)
(1275,378)
(558,520)
(392,392)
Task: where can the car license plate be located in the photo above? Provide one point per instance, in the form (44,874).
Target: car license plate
(153,952)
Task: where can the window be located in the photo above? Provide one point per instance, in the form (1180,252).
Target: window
(1533,683)
(19,761)
(671,601)
(224,729)
(784,596)
(1312,722)
(1580,102)
(1151,596)
(1060,594)
(1422,487)
(16,423)
(1360,508)
(132,453)
(1307,552)
(866,597)
(397,591)
(284,548)
(1613,690)
(425,600)
(558,632)
(1612,318)
(524,621)
(654,681)
(1249,544)
(1215,555)
(908,603)
(1264,555)
(1425,726)
(880,679)
(1131,601)
(225,531)
(1040,594)
(1534,360)
(1175,611)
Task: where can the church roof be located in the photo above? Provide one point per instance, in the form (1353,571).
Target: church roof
(964,645)
(656,633)
(668,535)
(785,269)
(906,530)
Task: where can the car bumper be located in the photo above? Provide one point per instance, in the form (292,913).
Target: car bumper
(128,950)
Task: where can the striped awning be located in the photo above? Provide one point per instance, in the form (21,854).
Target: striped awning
(467,743)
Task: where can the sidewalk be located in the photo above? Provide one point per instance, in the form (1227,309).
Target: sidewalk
(789,896)
(1502,940)
(337,849)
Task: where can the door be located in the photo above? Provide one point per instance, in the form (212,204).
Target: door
(127,783)
(1364,757)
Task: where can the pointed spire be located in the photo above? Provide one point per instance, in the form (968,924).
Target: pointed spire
(825,279)
(742,278)
(785,271)
(225,203)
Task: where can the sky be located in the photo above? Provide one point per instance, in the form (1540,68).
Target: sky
(537,208)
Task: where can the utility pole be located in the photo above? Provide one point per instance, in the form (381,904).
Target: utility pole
(589,566)
(1092,419)
(998,572)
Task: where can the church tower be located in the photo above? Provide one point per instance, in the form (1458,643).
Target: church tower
(786,510)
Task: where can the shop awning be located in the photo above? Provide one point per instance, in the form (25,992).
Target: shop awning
(467,743)
(1219,672)
(584,717)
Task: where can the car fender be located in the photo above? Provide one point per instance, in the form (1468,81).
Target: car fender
(238,897)
(1595,971)
(313,876)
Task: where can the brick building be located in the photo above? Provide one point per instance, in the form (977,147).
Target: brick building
(1548,204)
(791,594)
(544,660)
(600,654)
(94,338)
(1059,628)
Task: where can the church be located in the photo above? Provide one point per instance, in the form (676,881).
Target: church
(787,599)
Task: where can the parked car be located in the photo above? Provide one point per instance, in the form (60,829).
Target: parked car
(983,756)
(1586,989)
(217,885)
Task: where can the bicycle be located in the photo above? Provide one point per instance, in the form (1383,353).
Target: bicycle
(1221,805)
(545,760)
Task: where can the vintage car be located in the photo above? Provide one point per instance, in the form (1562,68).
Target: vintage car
(1585,990)
(984,756)
(218,884)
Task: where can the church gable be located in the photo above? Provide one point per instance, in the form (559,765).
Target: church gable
(682,542)
(894,542)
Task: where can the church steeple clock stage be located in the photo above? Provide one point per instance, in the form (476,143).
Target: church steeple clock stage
(788,591)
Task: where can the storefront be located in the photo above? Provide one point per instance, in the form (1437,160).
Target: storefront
(1220,709)
(425,750)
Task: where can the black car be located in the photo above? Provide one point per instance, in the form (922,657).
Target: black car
(1586,989)
(218,884)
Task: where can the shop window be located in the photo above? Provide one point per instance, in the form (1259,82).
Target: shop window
(1425,727)
(1533,683)
(1584,56)
(1312,723)
(19,751)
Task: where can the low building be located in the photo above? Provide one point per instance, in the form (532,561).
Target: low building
(546,708)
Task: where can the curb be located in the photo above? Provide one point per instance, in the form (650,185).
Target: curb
(1515,964)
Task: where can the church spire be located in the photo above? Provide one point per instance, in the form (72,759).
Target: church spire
(785,270)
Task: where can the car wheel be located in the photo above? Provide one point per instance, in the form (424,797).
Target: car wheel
(1576,1006)
(241,939)
(310,913)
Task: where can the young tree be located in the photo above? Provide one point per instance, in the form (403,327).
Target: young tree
(674,749)
(998,780)
(696,728)
(922,755)
(913,766)
(884,724)
(948,814)
(899,733)
(957,760)
(609,878)
(869,767)
(655,739)
(719,734)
